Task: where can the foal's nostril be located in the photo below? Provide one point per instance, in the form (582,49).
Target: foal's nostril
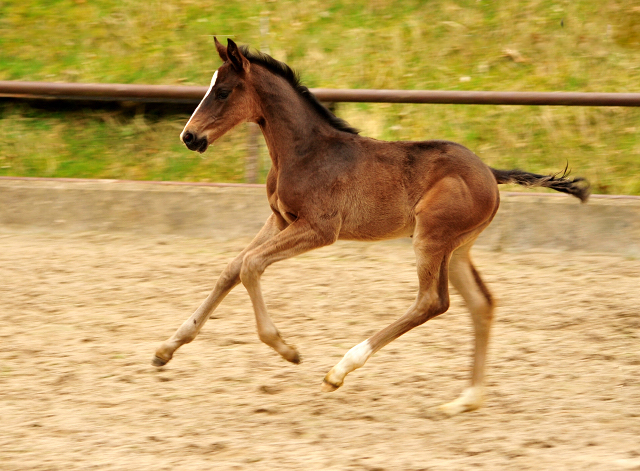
(188,138)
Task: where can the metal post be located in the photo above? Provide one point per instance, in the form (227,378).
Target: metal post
(252,161)
(253,153)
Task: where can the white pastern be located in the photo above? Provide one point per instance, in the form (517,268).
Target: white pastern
(353,359)
(213,82)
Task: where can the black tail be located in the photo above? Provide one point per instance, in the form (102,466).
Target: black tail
(578,187)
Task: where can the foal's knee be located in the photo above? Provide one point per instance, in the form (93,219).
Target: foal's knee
(230,277)
(251,268)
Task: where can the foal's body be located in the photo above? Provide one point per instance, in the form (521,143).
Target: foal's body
(328,183)
(370,190)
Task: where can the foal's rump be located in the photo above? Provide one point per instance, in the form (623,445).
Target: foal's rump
(438,157)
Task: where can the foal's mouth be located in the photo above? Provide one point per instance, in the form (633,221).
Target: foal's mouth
(202,147)
(195,144)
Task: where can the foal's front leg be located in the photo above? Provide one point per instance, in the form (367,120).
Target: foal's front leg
(229,278)
(298,238)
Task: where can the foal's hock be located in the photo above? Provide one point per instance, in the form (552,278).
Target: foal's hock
(328,183)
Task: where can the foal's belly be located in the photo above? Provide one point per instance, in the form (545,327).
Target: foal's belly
(377,227)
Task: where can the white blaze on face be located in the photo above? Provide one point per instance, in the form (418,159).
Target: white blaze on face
(213,82)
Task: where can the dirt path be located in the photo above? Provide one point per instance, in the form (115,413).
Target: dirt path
(81,316)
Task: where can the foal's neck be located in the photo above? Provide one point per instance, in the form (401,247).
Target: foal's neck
(288,120)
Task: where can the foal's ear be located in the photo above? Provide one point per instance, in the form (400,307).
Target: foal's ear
(222,51)
(239,62)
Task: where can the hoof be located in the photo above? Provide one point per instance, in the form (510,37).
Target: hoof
(293,356)
(328,387)
(453,408)
(157,361)
(470,399)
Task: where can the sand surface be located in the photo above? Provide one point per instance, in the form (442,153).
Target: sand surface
(81,316)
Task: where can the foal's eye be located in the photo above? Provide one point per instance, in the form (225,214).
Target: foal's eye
(223,94)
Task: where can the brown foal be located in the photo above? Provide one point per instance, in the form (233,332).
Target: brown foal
(328,183)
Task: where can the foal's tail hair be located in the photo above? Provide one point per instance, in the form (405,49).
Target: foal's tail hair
(578,187)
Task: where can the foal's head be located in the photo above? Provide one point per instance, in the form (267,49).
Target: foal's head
(227,103)
(246,87)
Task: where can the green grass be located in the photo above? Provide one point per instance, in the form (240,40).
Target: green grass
(532,45)
(107,145)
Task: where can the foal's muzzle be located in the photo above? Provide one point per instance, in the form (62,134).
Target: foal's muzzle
(193,143)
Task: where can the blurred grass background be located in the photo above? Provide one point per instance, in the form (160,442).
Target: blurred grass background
(530,45)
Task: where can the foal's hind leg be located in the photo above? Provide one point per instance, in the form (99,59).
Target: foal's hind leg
(229,278)
(452,212)
(432,300)
(467,282)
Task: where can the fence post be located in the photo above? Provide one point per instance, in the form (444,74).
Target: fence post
(253,153)
(253,137)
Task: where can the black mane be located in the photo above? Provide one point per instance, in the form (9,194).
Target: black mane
(283,70)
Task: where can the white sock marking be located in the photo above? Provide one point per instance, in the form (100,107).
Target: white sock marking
(213,82)
(353,359)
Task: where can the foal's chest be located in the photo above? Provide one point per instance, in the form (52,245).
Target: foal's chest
(285,209)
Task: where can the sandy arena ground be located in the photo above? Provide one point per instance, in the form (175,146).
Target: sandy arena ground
(81,316)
